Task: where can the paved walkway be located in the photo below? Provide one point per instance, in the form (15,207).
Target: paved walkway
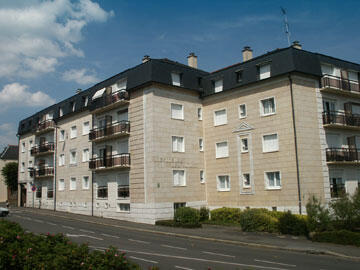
(232,235)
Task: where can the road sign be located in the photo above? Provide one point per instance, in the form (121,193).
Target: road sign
(33,188)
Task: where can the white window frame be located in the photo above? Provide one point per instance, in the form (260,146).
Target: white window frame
(218,89)
(199,112)
(84,157)
(228,187)
(61,186)
(83,182)
(263,77)
(174,76)
(118,207)
(201,144)
(242,145)
(216,122)
(173,177)
(244,180)
(182,111)
(73,134)
(23,146)
(71,185)
(217,154)
(267,186)
(71,162)
(202,177)
(61,160)
(62,135)
(84,130)
(242,116)
(262,109)
(182,150)
(263,143)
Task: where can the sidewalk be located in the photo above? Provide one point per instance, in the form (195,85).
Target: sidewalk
(231,235)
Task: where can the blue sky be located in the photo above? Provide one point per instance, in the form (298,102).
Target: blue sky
(48,49)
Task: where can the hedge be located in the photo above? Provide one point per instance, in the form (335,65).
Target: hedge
(293,224)
(259,220)
(187,217)
(341,237)
(226,215)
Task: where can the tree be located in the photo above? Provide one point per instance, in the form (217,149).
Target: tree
(10,173)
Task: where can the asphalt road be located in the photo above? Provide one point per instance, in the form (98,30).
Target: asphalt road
(169,252)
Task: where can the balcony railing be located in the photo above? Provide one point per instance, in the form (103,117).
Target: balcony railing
(123,192)
(342,155)
(340,118)
(42,149)
(119,160)
(42,172)
(45,125)
(329,81)
(118,128)
(120,97)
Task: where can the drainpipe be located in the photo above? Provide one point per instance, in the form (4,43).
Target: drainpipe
(295,140)
(55,153)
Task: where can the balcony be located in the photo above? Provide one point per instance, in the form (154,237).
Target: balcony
(45,126)
(343,156)
(42,172)
(42,149)
(119,161)
(341,120)
(337,85)
(112,131)
(109,101)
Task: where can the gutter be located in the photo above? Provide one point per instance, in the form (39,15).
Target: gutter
(296,145)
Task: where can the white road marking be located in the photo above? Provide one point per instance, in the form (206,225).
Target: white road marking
(82,230)
(284,264)
(38,221)
(184,268)
(83,235)
(218,254)
(174,247)
(138,241)
(107,235)
(67,227)
(136,258)
(50,223)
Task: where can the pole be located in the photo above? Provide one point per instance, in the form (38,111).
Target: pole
(286,25)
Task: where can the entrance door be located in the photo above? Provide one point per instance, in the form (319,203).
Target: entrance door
(22,195)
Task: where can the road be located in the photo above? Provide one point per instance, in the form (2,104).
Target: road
(170,252)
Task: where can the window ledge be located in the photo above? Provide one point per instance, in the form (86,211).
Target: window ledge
(221,157)
(177,119)
(273,188)
(102,199)
(247,187)
(223,190)
(269,114)
(179,186)
(242,117)
(73,165)
(244,152)
(272,151)
(219,125)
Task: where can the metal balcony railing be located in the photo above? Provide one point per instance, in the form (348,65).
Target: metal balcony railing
(42,172)
(45,125)
(342,155)
(42,148)
(119,160)
(340,83)
(108,99)
(121,127)
(340,118)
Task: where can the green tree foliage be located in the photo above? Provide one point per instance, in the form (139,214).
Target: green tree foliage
(319,218)
(10,173)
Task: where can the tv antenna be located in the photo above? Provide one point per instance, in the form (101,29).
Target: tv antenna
(286,25)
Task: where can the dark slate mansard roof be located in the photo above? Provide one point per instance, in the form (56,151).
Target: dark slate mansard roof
(10,152)
(282,61)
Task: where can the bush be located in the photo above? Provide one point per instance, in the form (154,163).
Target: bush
(318,217)
(20,250)
(167,222)
(204,214)
(226,215)
(187,217)
(342,237)
(260,220)
(292,224)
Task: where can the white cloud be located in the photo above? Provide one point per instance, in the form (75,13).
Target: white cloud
(18,95)
(34,35)
(79,76)
(7,135)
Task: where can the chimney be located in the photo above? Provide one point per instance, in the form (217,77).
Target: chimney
(296,44)
(78,90)
(247,53)
(192,60)
(145,58)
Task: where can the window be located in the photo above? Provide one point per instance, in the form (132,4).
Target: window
(176,79)
(72,106)
(73,159)
(38,192)
(85,155)
(23,147)
(264,71)
(337,187)
(86,128)
(268,106)
(239,74)
(102,192)
(30,166)
(61,184)
(270,143)
(121,84)
(223,183)
(50,192)
(177,111)
(220,117)
(222,150)
(123,186)
(199,111)
(353,76)
(85,182)
(62,135)
(30,145)
(202,176)
(85,101)
(179,178)
(72,183)
(242,111)
(178,144)
(73,132)
(22,167)
(201,144)
(244,145)
(218,86)
(246,180)
(62,160)
(61,112)
(273,180)
(123,207)
(178,205)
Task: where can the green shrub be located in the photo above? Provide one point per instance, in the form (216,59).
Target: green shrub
(259,220)
(341,237)
(226,215)
(318,217)
(187,217)
(169,223)
(204,214)
(292,224)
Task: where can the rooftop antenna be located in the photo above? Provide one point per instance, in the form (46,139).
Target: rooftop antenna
(286,25)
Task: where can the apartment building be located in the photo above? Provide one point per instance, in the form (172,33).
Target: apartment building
(269,131)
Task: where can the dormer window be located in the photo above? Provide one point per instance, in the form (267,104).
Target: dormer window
(72,106)
(264,71)
(61,112)
(121,85)
(239,74)
(85,101)
(218,85)
(176,78)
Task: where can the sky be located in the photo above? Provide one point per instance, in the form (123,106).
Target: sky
(48,49)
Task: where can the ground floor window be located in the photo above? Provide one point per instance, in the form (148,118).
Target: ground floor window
(177,205)
(50,192)
(123,207)
(38,192)
(337,187)
(102,192)
(223,183)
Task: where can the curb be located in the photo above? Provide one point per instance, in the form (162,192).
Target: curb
(240,243)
